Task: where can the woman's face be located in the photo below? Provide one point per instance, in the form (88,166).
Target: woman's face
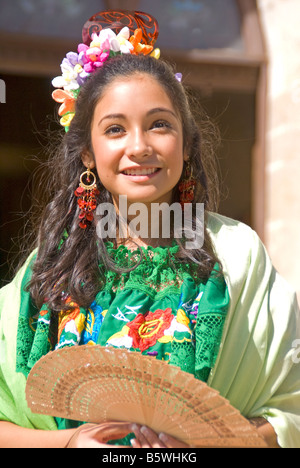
(137,141)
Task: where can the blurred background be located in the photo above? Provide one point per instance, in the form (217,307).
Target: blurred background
(241,59)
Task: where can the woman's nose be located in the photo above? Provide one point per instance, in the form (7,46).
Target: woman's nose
(138,145)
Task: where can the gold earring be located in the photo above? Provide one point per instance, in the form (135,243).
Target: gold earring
(86,194)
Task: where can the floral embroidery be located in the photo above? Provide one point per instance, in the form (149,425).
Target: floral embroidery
(94,319)
(192,307)
(71,325)
(146,329)
(44,316)
(79,326)
(121,339)
(189,339)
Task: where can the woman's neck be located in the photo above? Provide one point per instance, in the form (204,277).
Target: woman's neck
(146,226)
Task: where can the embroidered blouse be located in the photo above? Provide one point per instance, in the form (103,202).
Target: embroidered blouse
(160,309)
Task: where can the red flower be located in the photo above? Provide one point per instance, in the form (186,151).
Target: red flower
(146,329)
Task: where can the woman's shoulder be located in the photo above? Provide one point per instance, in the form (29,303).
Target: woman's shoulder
(237,246)
(220,225)
(235,234)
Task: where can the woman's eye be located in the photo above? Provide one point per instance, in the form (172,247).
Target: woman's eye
(114,130)
(161,124)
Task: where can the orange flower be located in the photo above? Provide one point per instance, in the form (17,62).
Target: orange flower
(139,48)
(43,312)
(66,98)
(66,316)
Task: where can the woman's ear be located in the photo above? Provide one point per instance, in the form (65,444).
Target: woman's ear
(88,159)
(185,156)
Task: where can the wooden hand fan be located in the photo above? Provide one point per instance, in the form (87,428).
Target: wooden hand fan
(98,384)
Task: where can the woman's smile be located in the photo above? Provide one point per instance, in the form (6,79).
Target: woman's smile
(141,174)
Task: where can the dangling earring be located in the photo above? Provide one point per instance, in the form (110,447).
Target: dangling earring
(187,186)
(86,193)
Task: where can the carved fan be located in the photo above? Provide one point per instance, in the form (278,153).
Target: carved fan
(98,384)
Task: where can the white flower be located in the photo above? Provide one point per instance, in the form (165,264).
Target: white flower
(107,39)
(68,79)
(125,45)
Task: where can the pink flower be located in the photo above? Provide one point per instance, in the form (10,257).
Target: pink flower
(92,57)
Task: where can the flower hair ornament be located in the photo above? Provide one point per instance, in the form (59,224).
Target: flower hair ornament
(105,35)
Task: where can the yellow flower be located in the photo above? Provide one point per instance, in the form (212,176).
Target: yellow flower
(155,53)
(182,318)
(66,119)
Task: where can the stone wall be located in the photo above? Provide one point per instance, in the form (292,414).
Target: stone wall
(281,24)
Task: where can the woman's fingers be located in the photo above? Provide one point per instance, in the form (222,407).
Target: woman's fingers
(98,435)
(147,438)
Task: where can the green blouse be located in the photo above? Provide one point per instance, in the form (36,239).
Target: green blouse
(160,308)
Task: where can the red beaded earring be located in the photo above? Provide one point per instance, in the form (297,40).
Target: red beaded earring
(187,186)
(86,193)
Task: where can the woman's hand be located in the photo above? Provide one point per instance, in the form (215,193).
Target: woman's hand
(146,438)
(97,435)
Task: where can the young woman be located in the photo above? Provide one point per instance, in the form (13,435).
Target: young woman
(224,314)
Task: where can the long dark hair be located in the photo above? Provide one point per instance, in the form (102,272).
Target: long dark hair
(68,257)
